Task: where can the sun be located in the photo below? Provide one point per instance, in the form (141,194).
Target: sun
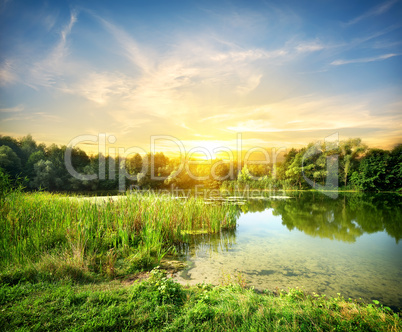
(206,149)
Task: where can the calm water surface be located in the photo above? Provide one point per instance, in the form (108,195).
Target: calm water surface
(349,245)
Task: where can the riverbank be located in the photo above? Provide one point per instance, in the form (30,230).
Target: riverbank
(69,264)
(159,304)
(45,232)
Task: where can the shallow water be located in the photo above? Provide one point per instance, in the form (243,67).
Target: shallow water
(349,245)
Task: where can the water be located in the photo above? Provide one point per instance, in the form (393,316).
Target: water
(350,245)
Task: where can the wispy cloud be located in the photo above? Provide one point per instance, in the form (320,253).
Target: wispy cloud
(8,73)
(131,49)
(46,71)
(305,114)
(218,117)
(375,11)
(382,32)
(310,46)
(14,109)
(35,116)
(363,60)
(248,55)
(101,87)
(197,84)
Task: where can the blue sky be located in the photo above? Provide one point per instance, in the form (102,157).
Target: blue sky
(282,73)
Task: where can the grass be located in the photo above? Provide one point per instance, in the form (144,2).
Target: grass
(60,258)
(159,304)
(48,236)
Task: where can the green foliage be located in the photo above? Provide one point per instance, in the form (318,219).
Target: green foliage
(165,290)
(294,172)
(5,184)
(244,175)
(9,161)
(46,176)
(373,173)
(395,166)
(147,305)
(359,168)
(351,150)
(50,233)
(9,185)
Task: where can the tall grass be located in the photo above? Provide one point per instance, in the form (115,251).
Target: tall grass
(101,235)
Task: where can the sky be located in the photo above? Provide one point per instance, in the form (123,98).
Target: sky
(275,73)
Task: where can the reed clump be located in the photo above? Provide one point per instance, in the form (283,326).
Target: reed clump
(49,232)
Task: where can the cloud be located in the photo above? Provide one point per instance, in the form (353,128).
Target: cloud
(165,87)
(45,72)
(361,40)
(8,73)
(311,46)
(101,87)
(254,126)
(375,11)
(32,117)
(198,85)
(248,55)
(14,109)
(313,112)
(218,117)
(363,60)
(131,49)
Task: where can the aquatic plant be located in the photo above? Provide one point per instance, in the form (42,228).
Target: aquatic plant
(102,235)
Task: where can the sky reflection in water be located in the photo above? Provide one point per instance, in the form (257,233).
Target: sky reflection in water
(349,245)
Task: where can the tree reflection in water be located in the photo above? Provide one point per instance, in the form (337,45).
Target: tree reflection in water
(344,219)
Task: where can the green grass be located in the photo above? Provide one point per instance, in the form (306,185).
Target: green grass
(48,236)
(63,259)
(159,304)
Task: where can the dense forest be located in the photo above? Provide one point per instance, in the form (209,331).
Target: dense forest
(357,167)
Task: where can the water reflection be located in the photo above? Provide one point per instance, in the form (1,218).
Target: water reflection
(208,243)
(348,245)
(343,219)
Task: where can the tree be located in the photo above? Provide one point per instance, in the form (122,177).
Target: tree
(14,145)
(395,167)
(244,175)
(282,167)
(295,170)
(351,149)
(181,180)
(219,171)
(28,146)
(373,172)
(158,165)
(134,164)
(32,160)
(9,161)
(45,176)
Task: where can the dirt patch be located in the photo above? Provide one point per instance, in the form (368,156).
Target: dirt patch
(130,279)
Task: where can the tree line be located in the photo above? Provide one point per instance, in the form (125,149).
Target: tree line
(351,165)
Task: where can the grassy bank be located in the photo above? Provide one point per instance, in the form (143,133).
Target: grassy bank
(159,304)
(47,236)
(67,264)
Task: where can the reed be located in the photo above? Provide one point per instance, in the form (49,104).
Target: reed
(96,234)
